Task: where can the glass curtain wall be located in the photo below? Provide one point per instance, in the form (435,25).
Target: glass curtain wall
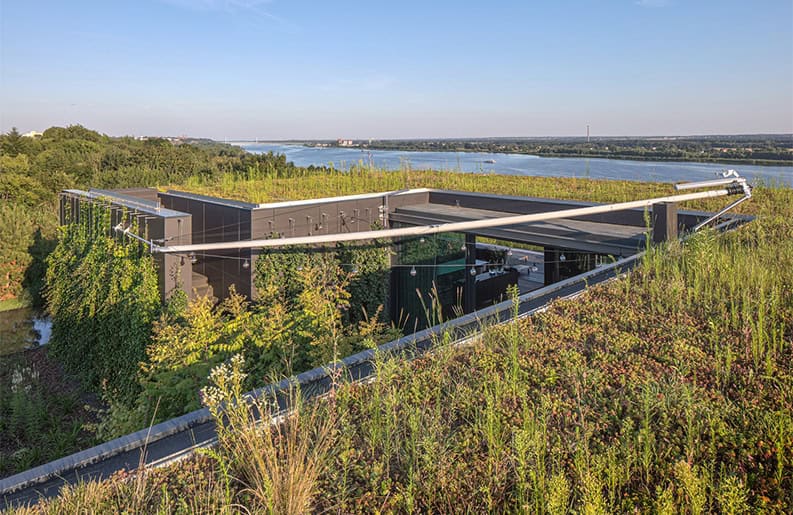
(427,280)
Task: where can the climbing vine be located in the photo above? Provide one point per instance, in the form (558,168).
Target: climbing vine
(150,360)
(369,267)
(364,268)
(103,296)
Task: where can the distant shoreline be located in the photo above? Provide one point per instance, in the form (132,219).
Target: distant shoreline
(614,156)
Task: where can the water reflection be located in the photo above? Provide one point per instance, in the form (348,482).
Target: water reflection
(22,329)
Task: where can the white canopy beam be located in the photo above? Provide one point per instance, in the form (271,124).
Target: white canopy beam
(738,186)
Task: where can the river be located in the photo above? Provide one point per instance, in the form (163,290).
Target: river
(521,164)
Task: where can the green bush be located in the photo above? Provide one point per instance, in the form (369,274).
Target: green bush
(15,222)
(300,321)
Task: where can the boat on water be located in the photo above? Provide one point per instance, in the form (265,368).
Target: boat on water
(489,161)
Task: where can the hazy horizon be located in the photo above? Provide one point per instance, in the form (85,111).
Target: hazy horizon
(583,136)
(274,70)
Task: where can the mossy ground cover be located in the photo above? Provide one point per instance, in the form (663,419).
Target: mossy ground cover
(669,390)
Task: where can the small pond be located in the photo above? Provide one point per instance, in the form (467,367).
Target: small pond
(22,329)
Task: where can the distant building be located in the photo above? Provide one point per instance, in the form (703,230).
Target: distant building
(33,134)
(344,142)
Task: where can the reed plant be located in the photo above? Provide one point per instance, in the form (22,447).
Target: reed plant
(276,457)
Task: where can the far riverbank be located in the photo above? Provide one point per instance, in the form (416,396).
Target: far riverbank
(519,164)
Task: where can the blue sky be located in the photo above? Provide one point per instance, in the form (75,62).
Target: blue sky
(296,69)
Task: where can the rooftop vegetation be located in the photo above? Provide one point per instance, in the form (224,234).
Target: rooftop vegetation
(668,390)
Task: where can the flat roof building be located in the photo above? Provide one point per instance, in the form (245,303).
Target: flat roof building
(207,244)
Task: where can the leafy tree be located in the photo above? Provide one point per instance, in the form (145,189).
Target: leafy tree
(13,143)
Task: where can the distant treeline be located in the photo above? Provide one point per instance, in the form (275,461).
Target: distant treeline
(750,149)
(34,169)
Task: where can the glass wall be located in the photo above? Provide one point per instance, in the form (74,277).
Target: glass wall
(427,280)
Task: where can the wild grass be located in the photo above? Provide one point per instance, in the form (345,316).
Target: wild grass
(261,189)
(15,303)
(669,391)
(276,463)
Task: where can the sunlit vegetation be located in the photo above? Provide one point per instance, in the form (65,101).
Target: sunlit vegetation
(103,296)
(262,188)
(148,361)
(34,170)
(668,391)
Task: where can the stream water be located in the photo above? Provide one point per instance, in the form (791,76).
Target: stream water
(22,329)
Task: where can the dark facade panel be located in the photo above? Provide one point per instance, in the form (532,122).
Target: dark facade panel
(532,205)
(293,221)
(245,228)
(343,218)
(178,269)
(199,221)
(262,224)
(217,220)
(213,223)
(404,199)
(230,225)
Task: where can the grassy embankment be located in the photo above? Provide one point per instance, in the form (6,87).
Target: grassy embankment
(669,390)
(12,304)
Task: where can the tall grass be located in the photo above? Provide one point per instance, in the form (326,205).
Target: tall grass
(276,464)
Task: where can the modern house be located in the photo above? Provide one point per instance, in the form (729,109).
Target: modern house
(206,244)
